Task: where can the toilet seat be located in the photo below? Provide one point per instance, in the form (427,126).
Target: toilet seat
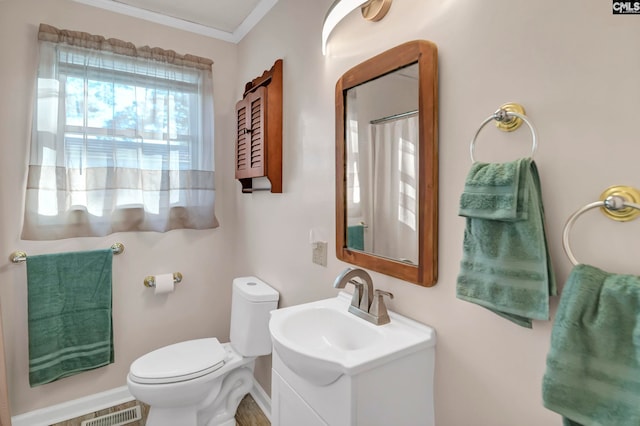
(179,362)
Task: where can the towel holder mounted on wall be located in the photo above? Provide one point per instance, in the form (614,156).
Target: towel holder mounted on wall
(150,280)
(508,118)
(620,203)
(20,256)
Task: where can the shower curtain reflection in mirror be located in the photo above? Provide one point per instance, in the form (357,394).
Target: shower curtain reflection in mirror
(382,187)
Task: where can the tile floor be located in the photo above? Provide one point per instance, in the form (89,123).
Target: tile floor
(249,414)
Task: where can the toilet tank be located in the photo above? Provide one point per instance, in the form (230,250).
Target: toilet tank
(251,302)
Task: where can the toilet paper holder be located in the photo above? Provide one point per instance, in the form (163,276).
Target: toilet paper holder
(150,280)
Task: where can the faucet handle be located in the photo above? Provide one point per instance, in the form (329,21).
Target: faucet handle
(378,309)
(357,293)
(383,293)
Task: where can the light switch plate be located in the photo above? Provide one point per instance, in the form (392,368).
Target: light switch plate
(319,253)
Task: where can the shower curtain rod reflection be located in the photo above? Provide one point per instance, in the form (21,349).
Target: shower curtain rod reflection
(19,256)
(393,117)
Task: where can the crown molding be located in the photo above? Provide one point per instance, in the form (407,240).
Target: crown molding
(233,37)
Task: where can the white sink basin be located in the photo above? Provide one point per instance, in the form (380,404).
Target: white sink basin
(320,341)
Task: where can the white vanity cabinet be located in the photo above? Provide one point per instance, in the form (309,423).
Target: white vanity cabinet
(331,367)
(398,393)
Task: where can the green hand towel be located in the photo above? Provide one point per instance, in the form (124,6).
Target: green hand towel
(355,237)
(505,264)
(496,191)
(593,366)
(69,304)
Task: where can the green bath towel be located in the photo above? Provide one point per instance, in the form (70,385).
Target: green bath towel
(505,264)
(593,366)
(69,304)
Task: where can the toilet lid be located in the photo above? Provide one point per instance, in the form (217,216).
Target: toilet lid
(179,362)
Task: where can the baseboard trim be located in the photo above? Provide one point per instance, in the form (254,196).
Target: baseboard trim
(261,398)
(99,401)
(74,408)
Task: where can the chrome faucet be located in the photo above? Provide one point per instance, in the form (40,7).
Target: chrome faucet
(362,295)
(363,303)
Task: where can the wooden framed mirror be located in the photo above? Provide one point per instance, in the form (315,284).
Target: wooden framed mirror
(387,163)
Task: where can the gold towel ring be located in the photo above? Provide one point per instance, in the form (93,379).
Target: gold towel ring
(508,117)
(611,203)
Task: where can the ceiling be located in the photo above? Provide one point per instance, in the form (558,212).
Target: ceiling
(228,20)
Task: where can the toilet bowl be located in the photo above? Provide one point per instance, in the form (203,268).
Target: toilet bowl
(201,382)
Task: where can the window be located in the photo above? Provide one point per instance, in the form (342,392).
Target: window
(122,139)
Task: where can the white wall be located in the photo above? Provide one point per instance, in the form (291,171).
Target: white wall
(571,64)
(142,322)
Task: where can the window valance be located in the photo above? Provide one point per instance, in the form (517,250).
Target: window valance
(97,42)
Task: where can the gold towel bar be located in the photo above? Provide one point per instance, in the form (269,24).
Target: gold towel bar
(20,256)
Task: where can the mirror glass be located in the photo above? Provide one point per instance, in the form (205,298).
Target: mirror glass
(386,163)
(382,162)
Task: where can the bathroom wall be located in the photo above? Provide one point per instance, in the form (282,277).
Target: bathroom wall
(572,64)
(142,322)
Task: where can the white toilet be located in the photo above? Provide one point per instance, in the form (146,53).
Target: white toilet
(201,382)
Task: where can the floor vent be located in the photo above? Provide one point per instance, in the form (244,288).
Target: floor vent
(119,418)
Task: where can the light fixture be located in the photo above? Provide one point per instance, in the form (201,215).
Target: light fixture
(372,10)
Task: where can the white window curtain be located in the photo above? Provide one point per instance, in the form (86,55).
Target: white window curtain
(122,139)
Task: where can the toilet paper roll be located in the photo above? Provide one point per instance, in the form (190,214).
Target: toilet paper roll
(261,184)
(164,284)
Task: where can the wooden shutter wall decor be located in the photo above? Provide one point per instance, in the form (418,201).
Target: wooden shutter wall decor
(250,113)
(259,131)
